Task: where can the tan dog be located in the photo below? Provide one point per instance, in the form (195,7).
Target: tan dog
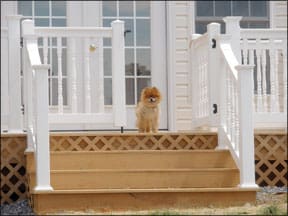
(147,110)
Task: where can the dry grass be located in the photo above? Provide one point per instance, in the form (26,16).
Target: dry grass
(270,204)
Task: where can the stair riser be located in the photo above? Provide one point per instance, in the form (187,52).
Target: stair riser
(104,203)
(143,179)
(137,160)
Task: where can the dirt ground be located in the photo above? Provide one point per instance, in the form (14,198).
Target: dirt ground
(266,204)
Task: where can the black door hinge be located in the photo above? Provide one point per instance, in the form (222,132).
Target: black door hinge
(21,42)
(213,43)
(215,108)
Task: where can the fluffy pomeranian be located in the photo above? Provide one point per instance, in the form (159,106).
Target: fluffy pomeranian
(148,111)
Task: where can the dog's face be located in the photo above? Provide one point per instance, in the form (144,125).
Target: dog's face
(150,96)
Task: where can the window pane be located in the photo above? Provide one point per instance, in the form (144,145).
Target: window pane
(143,32)
(129,62)
(243,24)
(41,8)
(240,8)
(107,91)
(59,22)
(201,27)
(129,37)
(107,23)
(54,62)
(107,62)
(109,8)
(126,8)
(204,8)
(143,62)
(42,22)
(259,24)
(64,62)
(25,8)
(259,8)
(55,91)
(142,8)
(58,8)
(222,8)
(130,93)
(142,83)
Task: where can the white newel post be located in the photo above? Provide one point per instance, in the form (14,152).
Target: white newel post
(42,129)
(246,144)
(118,74)
(233,29)
(28,31)
(213,30)
(15,123)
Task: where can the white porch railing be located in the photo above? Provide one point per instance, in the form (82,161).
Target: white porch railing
(228,98)
(267,50)
(35,74)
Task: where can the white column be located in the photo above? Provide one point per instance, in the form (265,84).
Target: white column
(42,129)
(118,74)
(246,145)
(14,85)
(233,29)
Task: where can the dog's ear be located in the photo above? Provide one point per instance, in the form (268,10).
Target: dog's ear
(154,88)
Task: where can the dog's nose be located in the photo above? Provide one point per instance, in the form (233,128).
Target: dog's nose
(152,99)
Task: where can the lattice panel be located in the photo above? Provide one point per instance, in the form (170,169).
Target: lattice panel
(13,169)
(132,142)
(271,160)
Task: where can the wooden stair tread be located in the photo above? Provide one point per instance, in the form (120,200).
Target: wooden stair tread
(144,190)
(147,170)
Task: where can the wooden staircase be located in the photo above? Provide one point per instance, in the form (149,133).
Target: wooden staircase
(167,170)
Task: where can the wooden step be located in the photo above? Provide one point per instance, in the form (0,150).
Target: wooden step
(104,201)
(143,178)
(166,159)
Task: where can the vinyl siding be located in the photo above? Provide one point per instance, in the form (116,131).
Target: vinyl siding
(278,14)
(183,106)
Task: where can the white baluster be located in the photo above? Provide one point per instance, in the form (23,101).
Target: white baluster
(233,112)
(272,80)
(73,76)
(87,76)
(259,79)
(100,78)
(277,107)
(264,85)
(285,80)
(229,105)
(60,77)
(245,51)
(45,50)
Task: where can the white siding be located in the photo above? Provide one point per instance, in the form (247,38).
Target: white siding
(182,90)
(278,10)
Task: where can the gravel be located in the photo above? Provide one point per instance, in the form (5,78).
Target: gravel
(22,207)
(18,208)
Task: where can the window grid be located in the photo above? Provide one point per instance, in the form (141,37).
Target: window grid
(135,47)
(246,22)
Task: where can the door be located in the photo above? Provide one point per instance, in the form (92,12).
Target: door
(145,54)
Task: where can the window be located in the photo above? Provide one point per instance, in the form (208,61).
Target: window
(49,13)
(136,16)
(255,14)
